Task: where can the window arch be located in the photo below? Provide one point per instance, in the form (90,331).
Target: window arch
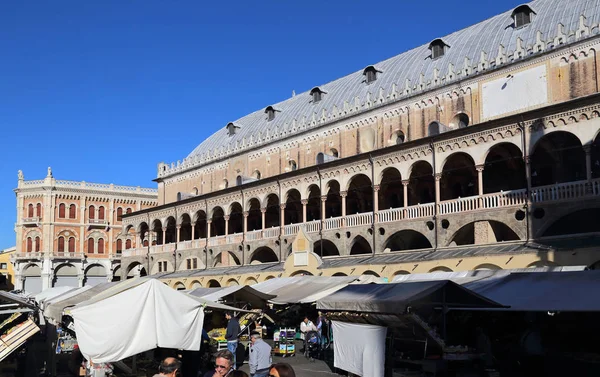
(438,48)
(316,94)
(101,213)
(38,210)
(29,244)
(398,138)
(293,165)
(256,174)
(119,214)
(91,212)
(90,248)
(37,244)
(119,245)
(61,244)
(129,210)
(61,211)
(522,15)
(270,111)
(460,120)
(101,246)
(72,211)
(370,74)
(30,210)
(71,244)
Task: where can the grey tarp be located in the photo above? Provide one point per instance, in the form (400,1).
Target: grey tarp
(396,297)
(543,291)
(234,294)
(16,299)
(303,289)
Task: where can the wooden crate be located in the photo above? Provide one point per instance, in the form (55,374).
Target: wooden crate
(19,335)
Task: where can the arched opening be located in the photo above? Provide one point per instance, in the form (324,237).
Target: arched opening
(212,283)
(179,286)
(157,231)
(65,275)
(72,211)
(269,277)
(226,258)
(30,243)
(195,284)
(391,191)
(557,157)
(487,267)
(91,246)
(504,169)
(100,246)
(401,272)
(117,274)
(95,274)
(200,225)
(232,283)
(32,279)
(263,255)
(71,245)
(119,214)
(293,208)
(460,120)
(370,273)
(360,195)
(30,212)
(325,248)
(185,230)
(339,274)
(313,207)
(254,215)
(440,269)
(136,269)
(496,232)
(421,186)
(360,246)
(301,273)
(37,244)
(236,219)
(582,221)
(143,230)
(407,239)
(101,213)
(217,227)
(127,244)
(61,211)
(38,210)
(333,204)
(119,246)
(273,211)
(91,212)
(251,281)
(459,177)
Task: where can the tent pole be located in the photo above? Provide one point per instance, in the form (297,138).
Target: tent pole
(444,310)
(134,364)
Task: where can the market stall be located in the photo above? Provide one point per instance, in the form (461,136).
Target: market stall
(414,315)
(18,322)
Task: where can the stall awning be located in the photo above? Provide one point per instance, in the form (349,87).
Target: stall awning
(395,298)
(233,295)
(7,297)
(54,309)
(543,291)
(50,293)
(303,289)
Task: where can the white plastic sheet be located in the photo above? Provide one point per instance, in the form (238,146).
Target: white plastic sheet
(359,348)
(139,319)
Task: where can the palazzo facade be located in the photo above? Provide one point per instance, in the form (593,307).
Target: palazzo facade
(476,151)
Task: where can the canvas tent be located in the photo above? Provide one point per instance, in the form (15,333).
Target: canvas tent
(234,295)
(395,298)
(53,310)
(138,315)
(303,289)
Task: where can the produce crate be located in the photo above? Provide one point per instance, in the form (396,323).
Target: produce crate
(16,337)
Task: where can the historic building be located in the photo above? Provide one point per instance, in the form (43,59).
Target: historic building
(70,233)
(478,150)
(7,273)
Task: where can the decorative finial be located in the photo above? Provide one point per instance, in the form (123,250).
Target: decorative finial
(49,172)
(21,177)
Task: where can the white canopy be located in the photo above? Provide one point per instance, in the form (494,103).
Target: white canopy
(303,289)
(136,316)
(50,293)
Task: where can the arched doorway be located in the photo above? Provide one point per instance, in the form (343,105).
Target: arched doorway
(360,246)
(325,248)
(421,186)
(313,207)
(236,219)
(65,275)
(95,274)
(557,157)
(217,227)
(254,216)
(263,255)
(407,239)
(459,177)
(501,233)
(360,195)
(273,211)
(32,279)
(391,190)
(504,169)
(293,207)
(333,205)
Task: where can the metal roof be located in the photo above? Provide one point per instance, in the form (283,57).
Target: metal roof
(351,95)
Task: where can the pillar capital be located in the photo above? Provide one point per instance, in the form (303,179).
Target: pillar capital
(246,213)
(587,148)
(479,167)
(178,226)
(304,202)
(405,182)
(376,188)
(263,210)
(324,198)
(282,206)
(438,176)
(343,194)
(164,228)
(209,221)
(226,217)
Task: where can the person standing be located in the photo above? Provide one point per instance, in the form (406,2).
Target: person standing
(231,335)
(305,327)
(260,356)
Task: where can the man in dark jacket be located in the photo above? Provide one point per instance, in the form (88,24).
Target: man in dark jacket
(231,335)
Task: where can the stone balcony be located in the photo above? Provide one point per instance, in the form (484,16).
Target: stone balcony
(517,199)
(31,221)
(97,224)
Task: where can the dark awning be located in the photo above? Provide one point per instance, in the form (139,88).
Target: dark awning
(234,295)
(395,298)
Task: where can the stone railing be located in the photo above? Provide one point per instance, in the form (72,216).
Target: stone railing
(563,191)
(271,233)
(91,186)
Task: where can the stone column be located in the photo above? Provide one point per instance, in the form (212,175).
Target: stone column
(193,230)
(405,183)
(479,169)
(178,227)
(226,217)
(246,214)
(164,238)
(438,177)
(323,208)
(81,278)
(376,198)
(304,204)
(343,195)
(528,176)
(588,162)
(263,213)
(208,223)
(282,215)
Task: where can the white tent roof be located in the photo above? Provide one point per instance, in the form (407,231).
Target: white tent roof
(50,293)
(303,289)
(138,316)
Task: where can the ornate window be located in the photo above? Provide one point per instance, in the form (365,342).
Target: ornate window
(61,211)
(37,244)
(30,210)
(101,213)
(71,244)
(101,246)
(29,245)
(119,214)
(38,210)
(317,94)
(119,246)
(72,211)
(61,244)
(522,15)
(90,248)
(92,212)
(128,244)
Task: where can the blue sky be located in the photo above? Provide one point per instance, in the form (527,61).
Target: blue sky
(104,90)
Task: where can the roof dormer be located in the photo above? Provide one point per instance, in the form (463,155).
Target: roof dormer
(370,74)
(522,15)
(316,94)
(438,48)
(270,111)
(231,128)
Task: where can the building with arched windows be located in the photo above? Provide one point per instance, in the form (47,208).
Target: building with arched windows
(476,151)
(70,233)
